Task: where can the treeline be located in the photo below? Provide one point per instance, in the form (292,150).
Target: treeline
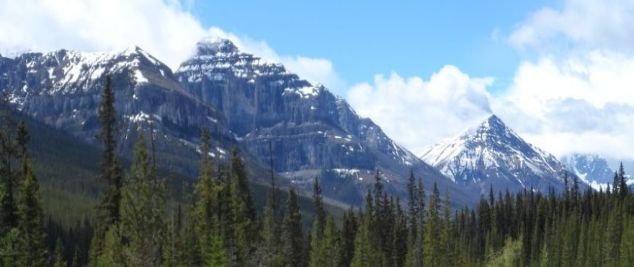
(217,224)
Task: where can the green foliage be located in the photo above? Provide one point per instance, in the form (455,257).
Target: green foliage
(326,251)
(143,211)
(509,255)
(30,216)
(292,234)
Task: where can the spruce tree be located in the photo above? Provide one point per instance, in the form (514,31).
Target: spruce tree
(143,211)
(319,218)
(109,207)
(292,235)
(206,206)
(326,251)
(8,176)
(432,253)
(243,211)
(348,236)
(270,253)
(30,216)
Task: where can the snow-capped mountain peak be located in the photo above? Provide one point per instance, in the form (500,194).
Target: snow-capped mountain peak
(493,154)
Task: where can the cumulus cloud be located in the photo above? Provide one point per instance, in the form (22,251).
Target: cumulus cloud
(579,24)
(573,94)
(576,96)
(418,112)
(165,28)
(583,104)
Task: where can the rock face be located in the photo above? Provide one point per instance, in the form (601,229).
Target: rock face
(492,155)
(63,89)
(245,101)
(309,130)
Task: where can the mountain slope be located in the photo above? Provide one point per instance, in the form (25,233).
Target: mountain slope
(246,102)
(63,89)
(492,155)
(307,129)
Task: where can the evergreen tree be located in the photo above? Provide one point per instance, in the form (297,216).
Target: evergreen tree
(217,255)
(30,216)
(348,236)
(292,236)
(208,208)
(269,252)
(433,249)
(326,252)
(243,211)
(8,178)
(319,220)
(109,208)
(143,211)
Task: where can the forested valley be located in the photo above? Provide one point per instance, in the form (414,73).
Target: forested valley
(217,222)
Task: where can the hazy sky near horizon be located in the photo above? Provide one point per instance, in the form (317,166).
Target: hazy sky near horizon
(561,73)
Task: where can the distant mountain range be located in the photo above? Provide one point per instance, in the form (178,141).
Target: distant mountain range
(272,116)
(246,102)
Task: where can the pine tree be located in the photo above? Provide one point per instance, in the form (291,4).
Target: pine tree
(8,178)
(109,208)
(366,245)
(270,252)
(319,220)
(217,255)
(348,236)
(30,216)
(292,235)
(432,253)
(206,207)
(143,211)
(325,252)
(243,211)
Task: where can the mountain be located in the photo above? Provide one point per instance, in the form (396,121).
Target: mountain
(593,169)
(307,130)
(270,114)
(493,155)
(63,89)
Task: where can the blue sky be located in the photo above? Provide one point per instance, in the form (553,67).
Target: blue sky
(558,72)
(408,37)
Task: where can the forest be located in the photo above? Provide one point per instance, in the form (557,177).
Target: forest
(217,223)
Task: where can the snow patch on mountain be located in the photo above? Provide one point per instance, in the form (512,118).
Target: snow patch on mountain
(492,154)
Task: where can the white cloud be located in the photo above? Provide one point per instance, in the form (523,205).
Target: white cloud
(583,104)
(579,25)
(315,70)
(417,112)
(165,28)
(577,95)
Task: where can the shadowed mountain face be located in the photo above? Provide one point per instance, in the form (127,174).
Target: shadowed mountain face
(492,155)
(245,101)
